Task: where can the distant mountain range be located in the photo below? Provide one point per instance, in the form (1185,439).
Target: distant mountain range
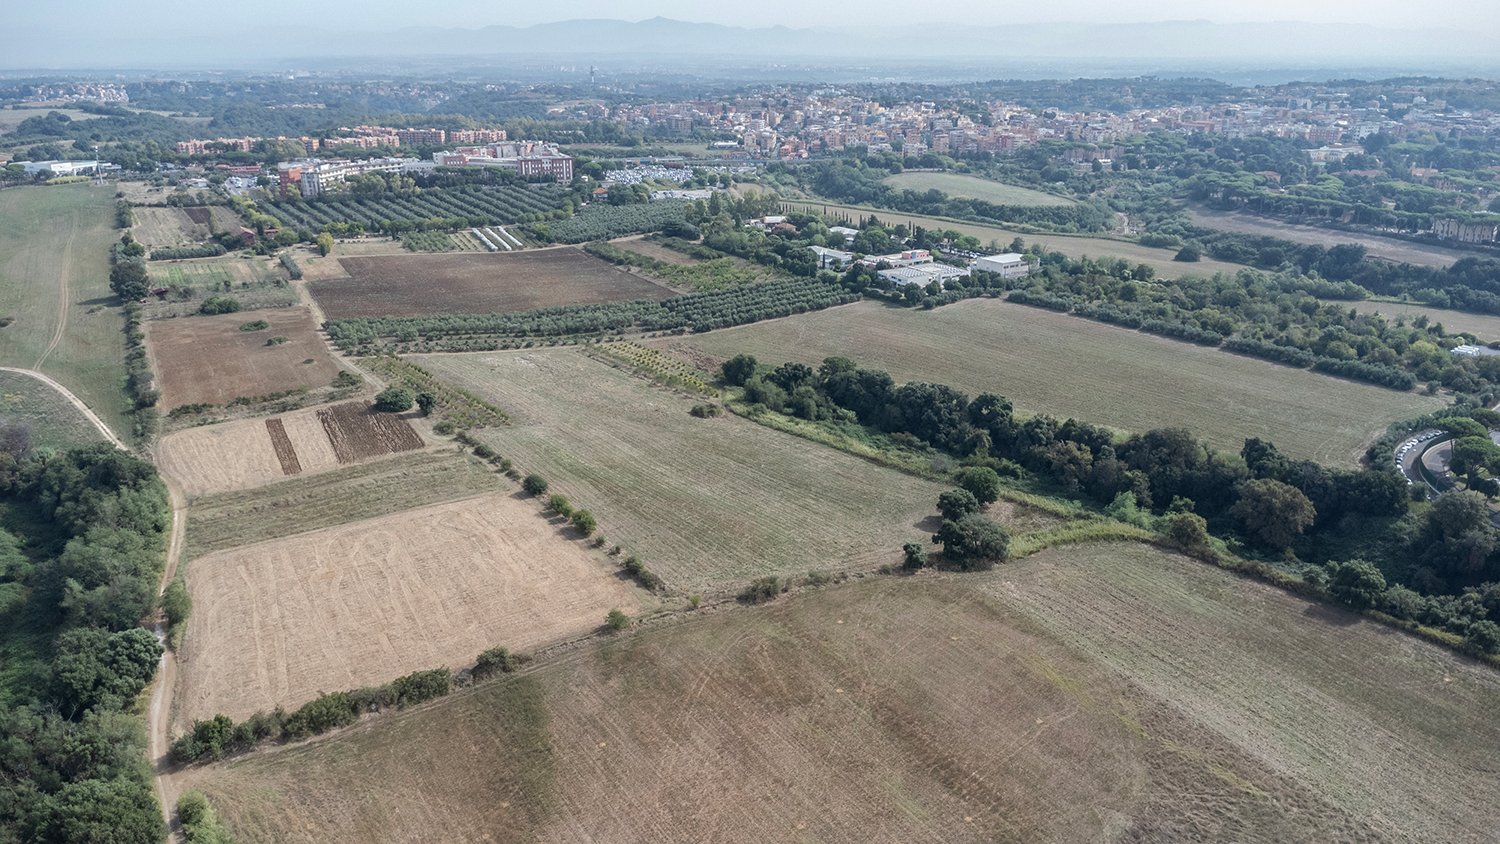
(662,39)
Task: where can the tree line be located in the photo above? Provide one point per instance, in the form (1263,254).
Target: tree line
(1438,566)
(77,575)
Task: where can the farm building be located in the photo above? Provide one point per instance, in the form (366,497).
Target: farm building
(845,232)
(832,259)
(922,274)
(1008,265)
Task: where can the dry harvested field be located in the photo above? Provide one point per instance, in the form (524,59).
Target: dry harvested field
(964,186)
(209,359)
(1483,326)
(1046,701)
(650,249)
(243,454)
(466,282)
(1392,249)
(165,226)
(708,504)
(1074,246)
(1067,366)
(276,623)
(363,491)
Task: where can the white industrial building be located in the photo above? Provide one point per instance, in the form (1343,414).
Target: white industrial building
(60,168)
(922,274)
(1008,265)
(832,259)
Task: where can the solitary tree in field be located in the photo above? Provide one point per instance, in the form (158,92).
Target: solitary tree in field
(394,400)
(973,542)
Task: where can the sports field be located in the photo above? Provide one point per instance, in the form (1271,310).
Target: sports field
(964,186)
(1484,326)
(360,604)
(1074,246)
(52,421)
(54,285)
(211,359)
(1091,693)
(467,282)
(1065,366)
(707,504)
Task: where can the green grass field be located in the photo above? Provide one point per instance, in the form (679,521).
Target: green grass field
(54,283)
(708,504)
(964,186)
(1090,693)
(54,422)
(1074,246)
(363,491)
(1066,366)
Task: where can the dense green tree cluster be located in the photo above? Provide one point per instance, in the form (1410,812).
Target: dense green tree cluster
(72,749)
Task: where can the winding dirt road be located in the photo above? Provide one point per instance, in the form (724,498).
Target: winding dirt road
(73,400)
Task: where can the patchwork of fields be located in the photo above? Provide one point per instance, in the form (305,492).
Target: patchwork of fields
(276,623)
(465,282)
(1088,693)
(708,504)
(1067,366)
(212,360)
(250,452)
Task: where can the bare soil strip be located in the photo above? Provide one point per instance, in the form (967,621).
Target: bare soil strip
(285,451)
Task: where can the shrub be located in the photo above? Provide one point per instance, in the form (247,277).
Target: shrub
(255,325)
(219,305)
(444,428)
(915,556)
(584,522)
(498,660)
(957,503)
(762,589)
(559,505)
(738,369)
(982,482)
(973,542)
(1482,637)
(1187,531)
(426,401)
(394,400)
(200,823)
(534,484)
(617,620)
(705,411)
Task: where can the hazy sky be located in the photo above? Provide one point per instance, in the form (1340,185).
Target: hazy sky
(166,16)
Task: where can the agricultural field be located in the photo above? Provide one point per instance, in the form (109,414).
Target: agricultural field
(964,186)
(248,453)
(54,287)
(1074,246)
(352,493)
(224,274)
(1065,366)
(1088,693)
(408,285)
(52,420)
(652,249)
(10,118)
(460,207)
(1390,248)
(276,623)
(605,222)
(165,226)
(213,360)
(1484,326)
(707,504)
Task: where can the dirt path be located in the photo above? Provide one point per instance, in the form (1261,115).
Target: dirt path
(304,295)
(62,297)
(159,714)
(73,400)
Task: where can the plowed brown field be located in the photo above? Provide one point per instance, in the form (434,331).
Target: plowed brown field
(209,359)
(241,454)
(468,282)
(1090,693)
(359,604)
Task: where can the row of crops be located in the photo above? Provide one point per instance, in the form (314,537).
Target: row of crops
(459,406)
(695,312)
(434,209)
(657,364)
(602,222)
